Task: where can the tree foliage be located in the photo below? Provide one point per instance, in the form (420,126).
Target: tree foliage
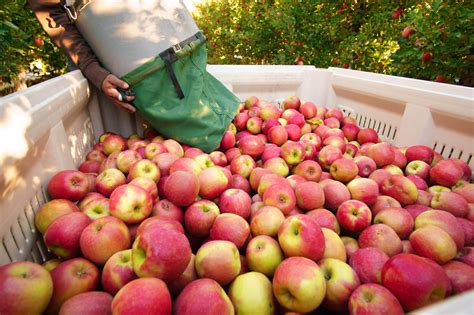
(363,35)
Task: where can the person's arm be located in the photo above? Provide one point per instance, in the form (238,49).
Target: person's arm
(64,34)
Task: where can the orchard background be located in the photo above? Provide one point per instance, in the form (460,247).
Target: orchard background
(429,40)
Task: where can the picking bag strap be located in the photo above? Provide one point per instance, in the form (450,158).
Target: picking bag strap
(168,57)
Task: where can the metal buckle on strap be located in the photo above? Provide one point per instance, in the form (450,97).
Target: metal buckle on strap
(177,47)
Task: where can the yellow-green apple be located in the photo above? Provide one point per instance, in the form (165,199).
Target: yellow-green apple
(420,153)
(251,293)
(446,173)
(277,165)
(254,124)
(461,276)
(130,203)
(383,202)
(326,219)
(350,244)
(164,161)
(51,263)
(353,216)
(238,234)
(309,195)
(69,184)
(70,278)
(104,237)
(299,285)
(97,208)
(52,210)
(434,243)
(144,168)
(126,158)
(335,193)
(341,281)
(372,298)
(235,201)
(415,281)
(365,165)
(160,252)
(108,180)
(300,235)
(281,196)
(182,188)
(200,295)
(189,275)
(292,102)
(308,169)
(218,158)
(165,209)
(153,149)
(400,188)
(450,202)
(200,216)
(93,303)
(367,135)
(113,143)
(174,147)
(333,245)
(399,219)
(364,189)
(293,152)
(117,271)
(251,145)
(243,165)
(444,220)
(382,154)
(308,109)
(266,221)
(263,254)
(368,263)
(240,182)
(343,170)
(382,237)
(143,296)
(25,288)
(419,168)
(379,176)
(212,182)
(63,235)
(88,198)
(218,260)
(95,155)
(270,151)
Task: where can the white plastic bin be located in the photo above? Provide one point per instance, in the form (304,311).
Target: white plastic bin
(51,126)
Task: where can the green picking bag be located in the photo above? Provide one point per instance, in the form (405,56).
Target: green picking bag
(202,116)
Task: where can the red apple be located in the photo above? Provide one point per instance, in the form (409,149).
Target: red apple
(446,173)
(69,184)
(107,181)
(364,189)
(372,298)
(93,303)
(309,195)
(461,276)
(399,219)
(238,234)
(368,263)
(182,188)
(382,237)
(434,243)
(114,143)
(266,221)
(52,210)
(354,215)
(199,217)
(118,271)
(263,254)
(400,188)
(130,203)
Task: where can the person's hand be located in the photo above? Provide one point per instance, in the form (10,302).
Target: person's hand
(109,87)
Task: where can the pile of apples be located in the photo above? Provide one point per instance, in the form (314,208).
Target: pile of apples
(298,211)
